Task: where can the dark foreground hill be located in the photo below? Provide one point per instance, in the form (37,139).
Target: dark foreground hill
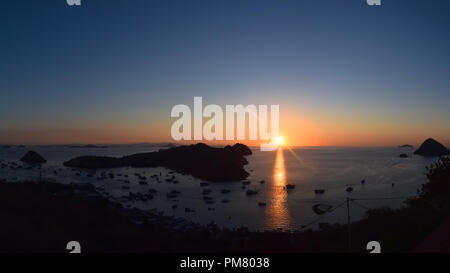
(199,160)
(45,216)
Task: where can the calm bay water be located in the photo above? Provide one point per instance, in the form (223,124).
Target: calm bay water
(332,169)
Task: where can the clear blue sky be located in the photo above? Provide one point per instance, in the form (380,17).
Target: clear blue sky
(110,67)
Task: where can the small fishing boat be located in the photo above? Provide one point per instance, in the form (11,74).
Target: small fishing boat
(321,208)
(206,191)
(290,186)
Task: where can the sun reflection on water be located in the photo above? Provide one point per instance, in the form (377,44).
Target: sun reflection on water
(277,212)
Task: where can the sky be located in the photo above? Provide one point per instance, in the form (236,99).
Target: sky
(110,71)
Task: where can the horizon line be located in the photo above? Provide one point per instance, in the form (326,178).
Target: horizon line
(184,144)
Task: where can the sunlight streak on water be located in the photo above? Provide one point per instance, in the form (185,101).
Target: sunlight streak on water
(278,214)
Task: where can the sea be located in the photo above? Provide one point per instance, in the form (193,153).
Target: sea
(353,180)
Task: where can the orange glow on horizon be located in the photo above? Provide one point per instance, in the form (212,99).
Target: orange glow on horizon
(303,127)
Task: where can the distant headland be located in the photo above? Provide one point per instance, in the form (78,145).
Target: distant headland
(406,146)
(88,146)
(431,147)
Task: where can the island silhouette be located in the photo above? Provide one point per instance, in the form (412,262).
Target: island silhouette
(198,160)
(431,147)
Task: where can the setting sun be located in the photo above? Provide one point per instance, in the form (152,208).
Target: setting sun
(279,140)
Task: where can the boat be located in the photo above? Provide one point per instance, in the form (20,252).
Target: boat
(207,198)
(290,186)
(206,191)
(321,208)
(319,191)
